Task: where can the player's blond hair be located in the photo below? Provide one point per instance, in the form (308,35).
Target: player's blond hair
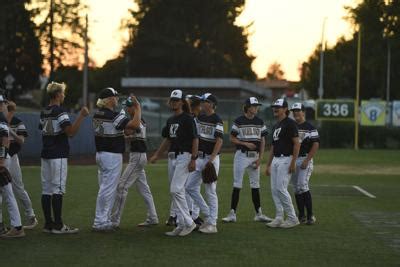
(101,103)
(54,88)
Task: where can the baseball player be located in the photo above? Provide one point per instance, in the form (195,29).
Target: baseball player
(17,135)
(109,127)
(56,127)
(309,140)
(210,130)
(248,134)
(195,107)
(180,137)
(135,174)
(282,163)
(6,191)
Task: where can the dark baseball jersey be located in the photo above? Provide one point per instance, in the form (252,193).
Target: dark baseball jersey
(109,128)
(308,134)
(53,121)
(209,129)
(180,130)
(138,143)
(3,134)
(19,128)
(249,130)
(282,134)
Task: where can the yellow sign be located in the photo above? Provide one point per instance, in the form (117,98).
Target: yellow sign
(373,113)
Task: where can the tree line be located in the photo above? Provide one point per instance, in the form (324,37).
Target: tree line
(180,38)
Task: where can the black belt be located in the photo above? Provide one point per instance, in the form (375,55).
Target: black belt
(282,155)
(250,153)
(174,154)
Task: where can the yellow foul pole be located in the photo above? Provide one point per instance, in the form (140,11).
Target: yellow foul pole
(357,90)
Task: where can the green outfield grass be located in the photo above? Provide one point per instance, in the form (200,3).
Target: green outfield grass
(352,229)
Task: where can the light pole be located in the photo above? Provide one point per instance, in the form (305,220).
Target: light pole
(321,63)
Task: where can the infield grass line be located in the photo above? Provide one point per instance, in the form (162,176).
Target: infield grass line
(364,191)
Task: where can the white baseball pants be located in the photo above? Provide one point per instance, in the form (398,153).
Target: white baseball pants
(300,179)
(193,189)
(7,193)
(12,164)
(180,175)
(134,174)
(54,176)
(241,163)
(110,167)
(279,183)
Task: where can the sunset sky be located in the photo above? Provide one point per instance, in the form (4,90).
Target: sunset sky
(286,31)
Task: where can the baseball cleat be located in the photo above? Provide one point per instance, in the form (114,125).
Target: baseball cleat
(275,223)
(289,224)
(31,222)
(148,222)
(303,219)
(171,221)
(231,217)
(188,229)
(175,232)
(262,218)
(13,233)
(3,229)
(311,221)
(65,230)
(209,229)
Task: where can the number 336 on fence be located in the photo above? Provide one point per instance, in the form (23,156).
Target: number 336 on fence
(342,110)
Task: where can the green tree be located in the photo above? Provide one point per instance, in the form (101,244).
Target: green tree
(275,72)
(19,47)
(60,27)
(194,38)
(379,20)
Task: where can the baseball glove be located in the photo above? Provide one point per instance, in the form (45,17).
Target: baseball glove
(5,176)
(209,174)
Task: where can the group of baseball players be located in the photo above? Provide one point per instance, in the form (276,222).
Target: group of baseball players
(193,137)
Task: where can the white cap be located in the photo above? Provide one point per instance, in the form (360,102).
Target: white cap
(280,103)
(297,106)
(176,94)
(2,99)
(252,101)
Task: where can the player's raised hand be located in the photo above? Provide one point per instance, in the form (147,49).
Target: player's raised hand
(135,102)
(84,112)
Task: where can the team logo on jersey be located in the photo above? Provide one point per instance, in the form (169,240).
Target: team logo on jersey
(276,134)
(250,132)
(302,136)
(173,128)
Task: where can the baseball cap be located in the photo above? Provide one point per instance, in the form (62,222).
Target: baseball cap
(176,95)
(209,98)
(108,92)
(252,101)
(280,103)
(297,106)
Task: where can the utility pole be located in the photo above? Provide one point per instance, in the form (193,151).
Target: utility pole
(85,66)
(51,37)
